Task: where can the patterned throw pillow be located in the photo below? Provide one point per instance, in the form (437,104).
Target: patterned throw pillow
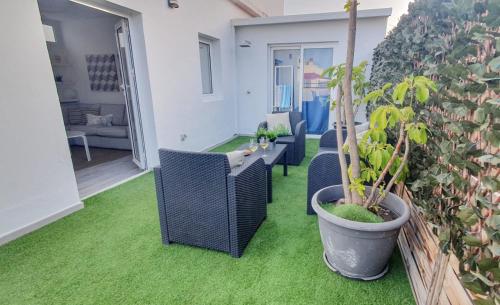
(99,120)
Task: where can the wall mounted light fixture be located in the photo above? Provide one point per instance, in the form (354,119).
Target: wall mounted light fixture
(245,44)
(173,4)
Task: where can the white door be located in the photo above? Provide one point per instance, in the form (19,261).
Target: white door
(129,89)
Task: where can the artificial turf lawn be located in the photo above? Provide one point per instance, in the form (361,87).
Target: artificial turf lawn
(352,212)
(110,253)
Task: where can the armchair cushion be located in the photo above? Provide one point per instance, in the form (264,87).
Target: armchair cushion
(279,120)
(235,158)
(286,140)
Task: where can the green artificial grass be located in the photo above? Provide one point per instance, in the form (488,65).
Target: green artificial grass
(352,212)
(110,252)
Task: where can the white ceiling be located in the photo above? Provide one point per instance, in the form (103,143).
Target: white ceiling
(53,8)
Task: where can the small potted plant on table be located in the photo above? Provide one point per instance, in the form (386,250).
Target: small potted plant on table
(272,136)
(261,133)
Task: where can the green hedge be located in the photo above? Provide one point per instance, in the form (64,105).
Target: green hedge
(455,176)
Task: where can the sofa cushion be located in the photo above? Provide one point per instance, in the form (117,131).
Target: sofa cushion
(75,116)
(99,120)
(78,115)
(118,112)
(279,120)
(88,130)
(113,131)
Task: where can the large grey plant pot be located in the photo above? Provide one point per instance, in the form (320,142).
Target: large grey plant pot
(355,249)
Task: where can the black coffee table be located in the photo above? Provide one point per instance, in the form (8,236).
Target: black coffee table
(271,158)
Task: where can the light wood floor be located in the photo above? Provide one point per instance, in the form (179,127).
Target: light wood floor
(94,179)
(98,156)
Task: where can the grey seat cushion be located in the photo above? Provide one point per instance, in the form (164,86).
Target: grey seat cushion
(118,112)
(89,130)
(286,140)
(113,131)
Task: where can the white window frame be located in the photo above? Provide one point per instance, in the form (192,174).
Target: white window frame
(215,63)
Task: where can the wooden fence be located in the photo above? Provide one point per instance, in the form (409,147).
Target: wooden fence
(433,275)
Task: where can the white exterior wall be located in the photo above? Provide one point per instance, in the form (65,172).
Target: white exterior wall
(172,50)
(253,64)
(37,183)
(295,7)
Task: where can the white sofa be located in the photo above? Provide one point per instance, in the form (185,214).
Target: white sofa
(115,136)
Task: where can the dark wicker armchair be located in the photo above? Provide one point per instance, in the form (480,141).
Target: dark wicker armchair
(296,143)
(328,140)
(324,169)
(202,202)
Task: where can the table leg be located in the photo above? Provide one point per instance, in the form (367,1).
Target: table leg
(285,165)
(269,172)
(86,145)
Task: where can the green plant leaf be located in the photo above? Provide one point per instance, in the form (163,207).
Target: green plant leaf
(480,115)
(494,64)
(487,301)
(399,92)
(492,159)
(478,69)
(472,241)
(483,279)
(378,119)
(421,93)
(491,183)
(467,216)
(487,264)
(494,222)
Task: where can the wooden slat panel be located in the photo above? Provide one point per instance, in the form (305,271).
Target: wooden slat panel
(419,248)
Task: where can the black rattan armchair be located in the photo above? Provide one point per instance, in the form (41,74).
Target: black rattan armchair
(296,143)
(202,202)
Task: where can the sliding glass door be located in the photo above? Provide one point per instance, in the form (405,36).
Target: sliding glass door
(298,84)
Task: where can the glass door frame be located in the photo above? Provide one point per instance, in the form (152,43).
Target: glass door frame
(272,92)
(130,92)
(301,47)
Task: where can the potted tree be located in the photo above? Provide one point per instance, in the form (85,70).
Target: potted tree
(359,221)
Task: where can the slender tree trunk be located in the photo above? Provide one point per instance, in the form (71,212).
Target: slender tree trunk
(398,171)
(371,198)
(348,106)
(340,145)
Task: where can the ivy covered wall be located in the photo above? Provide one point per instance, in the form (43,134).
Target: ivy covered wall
(455,177)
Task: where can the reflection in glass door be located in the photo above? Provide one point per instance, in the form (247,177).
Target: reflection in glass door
(315,102)
(286,79)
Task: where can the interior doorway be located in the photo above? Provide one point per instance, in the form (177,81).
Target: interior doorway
(92,61)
